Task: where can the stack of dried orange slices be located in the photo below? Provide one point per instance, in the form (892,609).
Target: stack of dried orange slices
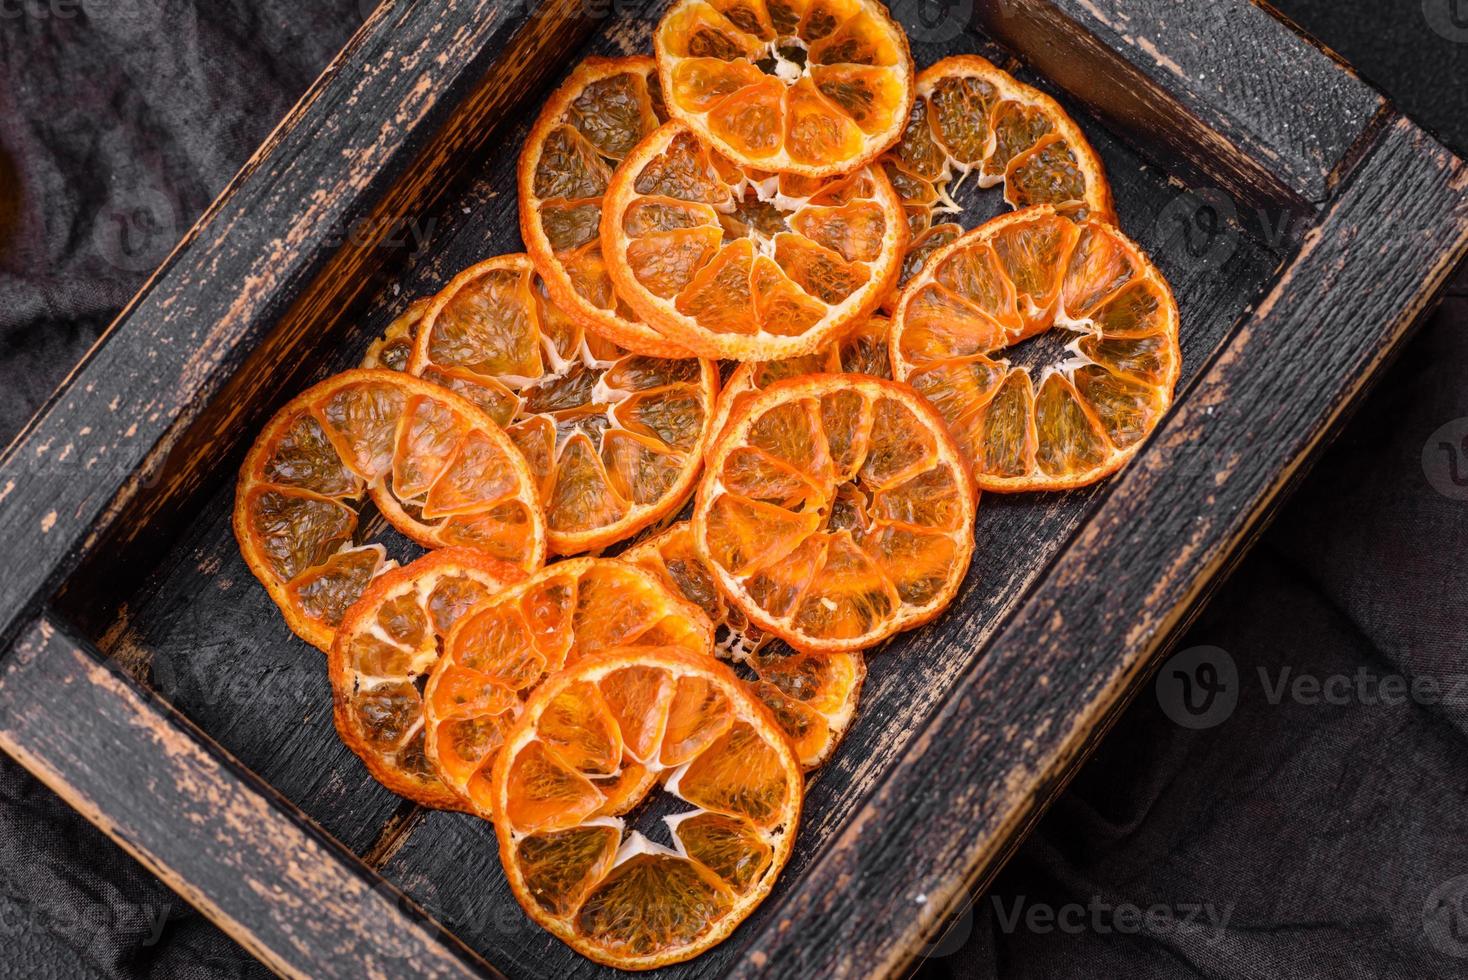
(765,190)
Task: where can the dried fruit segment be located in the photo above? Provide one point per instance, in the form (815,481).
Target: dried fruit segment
(583,133)
(814,89)
(504,647)
(610,893)
(738,263)
(390,640)
(435,465)
(879,539)
(863,350)
(1017,277)
(812,696)
(614,439)
(971,118)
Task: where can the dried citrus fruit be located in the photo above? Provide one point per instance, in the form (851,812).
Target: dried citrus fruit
(394,349)
(586,129)
(742,264)
(976,321)
(387,642)
(812,696)
(862,351)
(971,117)
(435,465)
(497,654)
(836,510)
(813,88)
(614,439)
(611,893)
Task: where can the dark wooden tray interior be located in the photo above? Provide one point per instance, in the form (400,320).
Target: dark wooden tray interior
(195,627)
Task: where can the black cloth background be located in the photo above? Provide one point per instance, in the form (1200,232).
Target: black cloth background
(1298,835)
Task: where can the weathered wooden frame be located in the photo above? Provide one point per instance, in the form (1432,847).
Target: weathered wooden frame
(1238,98)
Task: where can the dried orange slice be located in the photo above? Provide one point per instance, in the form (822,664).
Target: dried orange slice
(435,465)
(742,264)
(971,117)
(813,696)
(394,349)
(836,510)
(976,321)
(813,88)
(611,893)
(614,439)
(584,132)
(497,654)
(387,642)
(862,351)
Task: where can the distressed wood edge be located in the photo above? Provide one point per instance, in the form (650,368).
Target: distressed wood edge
(41,677)
(1033,791)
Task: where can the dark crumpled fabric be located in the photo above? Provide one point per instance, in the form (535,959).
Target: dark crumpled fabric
(1308,832)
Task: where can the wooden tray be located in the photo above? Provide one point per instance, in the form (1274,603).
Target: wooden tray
(1304,223)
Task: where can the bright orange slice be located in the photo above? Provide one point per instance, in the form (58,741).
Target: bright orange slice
(972,118)
(435,465)
(614,439)
(862,351)
(389,640)
(497,654)
(608,891)
(584,132)
(975,323)
(813,696)
(810,87)
(836,510)
(742,264)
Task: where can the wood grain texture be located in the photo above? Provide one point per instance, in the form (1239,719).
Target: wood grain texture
(1222,87)
(221,839)
(220,331)
(1067,658)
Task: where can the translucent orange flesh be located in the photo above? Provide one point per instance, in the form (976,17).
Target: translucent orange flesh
(994,289)
(812,696)
(501,651)
(973,120)
(613,438)
(440,474)
(816,87)
(836,511)
(594,120)
(390,640)
(644,904)
(732,263)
